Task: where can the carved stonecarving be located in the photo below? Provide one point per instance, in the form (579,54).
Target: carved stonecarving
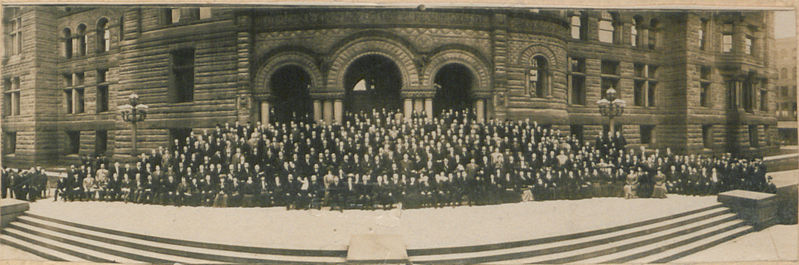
(479,69)
(396,52)
(294,58)
(526,57)
(338,18)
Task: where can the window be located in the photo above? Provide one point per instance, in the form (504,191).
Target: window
(647,133)
(68,106)
(182,76)
(707,136)
(644,84)
(73,142)
(67,35)
(81,39)
(14,31)
(704,73)
(610,77)
(702,32)
(576,27)
(79,79)
(764,100)
(634,31)
(205,12)
(767,135)
(607,29)
(732,94)
(577,132)
(638,92)
(100,142)
(102,98)
(538,77)
(654,34)
(726,38)
(748,96)
(102,76)
(610,67)
(11,97)
(579,21)
(79,100)
(9,142)
(577,81)
(651,96)
(121,28)
(103,36)
(66,80)
(704,92)
(754,139)
(748,47)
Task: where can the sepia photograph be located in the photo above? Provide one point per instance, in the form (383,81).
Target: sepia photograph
(398,133)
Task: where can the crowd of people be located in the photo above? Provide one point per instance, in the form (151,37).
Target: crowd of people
(380,159)
(28,185)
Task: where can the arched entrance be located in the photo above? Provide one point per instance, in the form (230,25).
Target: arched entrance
(453,84)
(291,96)
(372,82)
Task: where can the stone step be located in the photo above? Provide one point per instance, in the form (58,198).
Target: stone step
(30,247)
(632,243)
(196,244)
(587,240)
(523,243)
(699,245)
(81,254)
(216,255)
(679,242)
(78,243)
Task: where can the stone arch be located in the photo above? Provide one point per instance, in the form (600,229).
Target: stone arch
(526,57)
(479,68)
(358,48)
(275,62)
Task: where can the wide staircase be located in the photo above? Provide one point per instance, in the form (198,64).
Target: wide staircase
(656,240)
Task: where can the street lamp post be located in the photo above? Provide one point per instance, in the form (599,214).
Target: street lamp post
(611,107)
(133,113)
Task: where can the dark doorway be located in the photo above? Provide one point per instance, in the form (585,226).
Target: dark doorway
(453,88)
(292,98)
(372,82)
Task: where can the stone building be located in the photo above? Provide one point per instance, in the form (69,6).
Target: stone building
(786,87)
(694,81)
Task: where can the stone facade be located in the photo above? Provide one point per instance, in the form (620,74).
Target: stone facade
(236,53)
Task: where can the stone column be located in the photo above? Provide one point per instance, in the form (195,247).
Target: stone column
(418,104)
(428,107)
(264,112)
(317,110)
(479,107)
(327,111)
(408,109)
(338,110)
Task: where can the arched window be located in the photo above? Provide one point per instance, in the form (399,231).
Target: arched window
(67,43)
(103,36)
(538,77)
(606,27)
(81,37)
(654,33)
